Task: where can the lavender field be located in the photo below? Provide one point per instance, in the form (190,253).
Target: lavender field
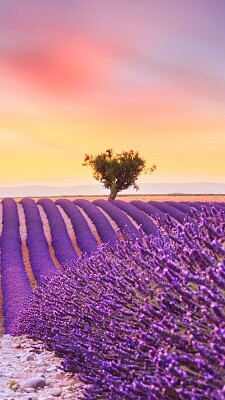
(130,294)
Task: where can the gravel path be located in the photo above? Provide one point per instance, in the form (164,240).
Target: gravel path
(29,372)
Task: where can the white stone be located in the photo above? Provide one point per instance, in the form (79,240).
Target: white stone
(51,369)
(17,345)
(55,392)
(28,357)
(35,383)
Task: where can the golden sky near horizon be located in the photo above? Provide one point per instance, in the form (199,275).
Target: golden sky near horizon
(81,77)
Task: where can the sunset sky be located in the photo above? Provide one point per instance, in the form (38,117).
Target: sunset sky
(81,76)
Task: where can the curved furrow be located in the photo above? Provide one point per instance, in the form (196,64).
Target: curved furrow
(41,261)
(25,251)
(85,239)
(104,229)
(196,204)
(148,209)
(15,283)
(70,230)
(147,224)
(119,216)
(185,207)
(171,210)
(113,223)
(48,235)
(63,247)
(91,225)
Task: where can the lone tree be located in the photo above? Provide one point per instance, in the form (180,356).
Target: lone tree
(117,172)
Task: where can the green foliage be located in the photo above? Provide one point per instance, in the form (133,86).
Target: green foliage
(117,172)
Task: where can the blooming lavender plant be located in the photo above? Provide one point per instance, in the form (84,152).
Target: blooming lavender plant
(149,209)
(40,258)
(144,320)
(121,219)
(15,283)
(183,206)
(170,209)
(61,242)
(139,216)
(104,228)
(221,206)
(204,204)
(85,239)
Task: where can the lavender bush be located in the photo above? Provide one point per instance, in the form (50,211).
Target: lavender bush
(183,206)
(139,216)
(15,283)
(118,216)
(40,258)
(61,242)
(144,320)
(85,240)
(104,228)
(199,205)
(173,211)
(222,206)
(148,209)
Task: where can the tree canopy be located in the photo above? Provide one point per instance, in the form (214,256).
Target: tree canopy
(117,172)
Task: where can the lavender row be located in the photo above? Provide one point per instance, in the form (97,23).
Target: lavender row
(149,209)
(183,206)
(85,239)
(104,228)
(170,209)
(63,247)
(15,283)
(144,320)
(121,219)
(199,205)
(139,216)
(188,206)
(40,258)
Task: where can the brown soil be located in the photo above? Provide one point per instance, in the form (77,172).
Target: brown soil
(48,235)
(70,230)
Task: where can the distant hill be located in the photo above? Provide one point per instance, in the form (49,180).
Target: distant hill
(97,190)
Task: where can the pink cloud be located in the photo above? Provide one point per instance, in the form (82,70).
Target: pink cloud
(75,53)
(69,67)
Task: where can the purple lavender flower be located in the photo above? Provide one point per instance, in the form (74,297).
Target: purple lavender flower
(41,261)
(16,287)
(61,242)
(170,209)
(118,216)
(185,207)
(149,209)
(85,239)
(105,230)
(143,320)
(139,216)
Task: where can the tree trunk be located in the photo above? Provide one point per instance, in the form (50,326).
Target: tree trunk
(113,192)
